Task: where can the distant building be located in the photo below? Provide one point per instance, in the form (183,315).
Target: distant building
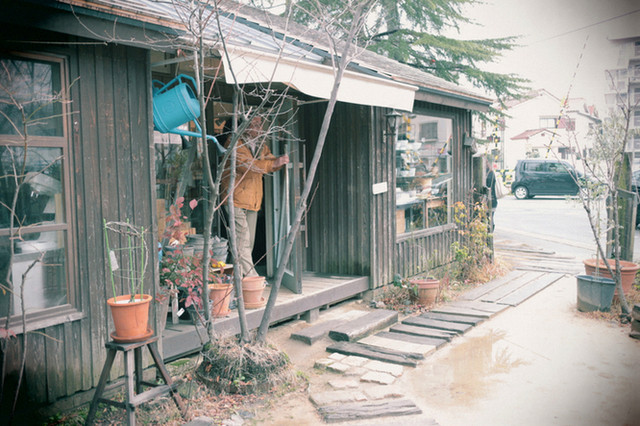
(624,86)
(540,125)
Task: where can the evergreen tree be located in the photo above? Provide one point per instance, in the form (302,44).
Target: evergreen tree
(412,32)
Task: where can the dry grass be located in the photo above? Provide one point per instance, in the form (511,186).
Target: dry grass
(195,376)
(615,314)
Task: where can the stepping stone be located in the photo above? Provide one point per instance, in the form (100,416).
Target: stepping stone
(378,377)
(333,397)
(355,361)
(381,392)
(368,410)
(322,364)
(363,326)
(525,292)
(384,367)
(341,383)
(423,331)
(402,337)
(438,325)
(408,347)
(375,352)
(452,318)
(338,367)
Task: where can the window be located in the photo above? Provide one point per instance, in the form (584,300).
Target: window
(636,118)
(636,49)
(547,122)
(423,173)
(33,183)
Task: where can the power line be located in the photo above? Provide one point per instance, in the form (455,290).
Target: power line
(587,26)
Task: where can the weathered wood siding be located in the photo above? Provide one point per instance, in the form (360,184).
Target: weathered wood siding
(112,173)
(416,252)
(352,231)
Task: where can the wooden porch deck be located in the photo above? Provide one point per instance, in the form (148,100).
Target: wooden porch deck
(318,291)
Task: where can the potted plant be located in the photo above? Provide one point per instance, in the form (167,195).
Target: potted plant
(220,288)
(127,265)
(252,289)
(427,289)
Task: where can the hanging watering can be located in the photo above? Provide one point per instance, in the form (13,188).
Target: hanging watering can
(175,104)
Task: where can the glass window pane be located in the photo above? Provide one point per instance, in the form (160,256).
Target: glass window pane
(45,283)
(28,97)
(423,173)
(40,198)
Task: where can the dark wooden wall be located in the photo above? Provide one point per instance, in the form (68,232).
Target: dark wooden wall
(352,231)
(338,222)
(112,174)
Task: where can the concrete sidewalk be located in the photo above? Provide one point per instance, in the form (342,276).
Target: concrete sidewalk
(541,362)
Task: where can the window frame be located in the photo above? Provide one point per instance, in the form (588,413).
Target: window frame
(423,232)
(69,311)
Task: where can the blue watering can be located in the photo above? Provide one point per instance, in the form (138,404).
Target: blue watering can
(175,106)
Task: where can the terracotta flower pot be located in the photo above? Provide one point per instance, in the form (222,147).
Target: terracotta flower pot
(628,273)
(427,290)
(131,320)
(220,296)
(252,288)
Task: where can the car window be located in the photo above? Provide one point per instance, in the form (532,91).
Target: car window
(533,166)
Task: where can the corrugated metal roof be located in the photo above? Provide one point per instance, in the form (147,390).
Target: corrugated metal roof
(246,26)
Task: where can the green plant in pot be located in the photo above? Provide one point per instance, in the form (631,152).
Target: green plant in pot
(127,260)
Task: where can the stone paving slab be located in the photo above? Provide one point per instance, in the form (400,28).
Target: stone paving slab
(378,377)
(374,392)
(341,383)
(385,367)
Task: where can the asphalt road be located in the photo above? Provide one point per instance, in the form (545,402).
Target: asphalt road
(551,223)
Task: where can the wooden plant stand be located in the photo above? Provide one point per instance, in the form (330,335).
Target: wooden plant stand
(133,367)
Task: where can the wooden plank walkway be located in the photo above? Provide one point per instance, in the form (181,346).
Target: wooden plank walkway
(418,336)
(368,410)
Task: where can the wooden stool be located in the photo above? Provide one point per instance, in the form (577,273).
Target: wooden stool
(133,357)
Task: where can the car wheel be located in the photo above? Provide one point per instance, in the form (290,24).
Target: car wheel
(521,193)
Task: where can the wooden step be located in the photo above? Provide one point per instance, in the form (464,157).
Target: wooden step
(412,338)
(363,326)
(477,292)
(423,331)
(438,325)
(312,334)
(462,319)
(476,307)
(508,288)
(376,353)
(368,410)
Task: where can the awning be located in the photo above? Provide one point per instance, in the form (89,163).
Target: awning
(316,80)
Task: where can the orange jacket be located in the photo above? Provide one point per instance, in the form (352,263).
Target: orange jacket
(249,171)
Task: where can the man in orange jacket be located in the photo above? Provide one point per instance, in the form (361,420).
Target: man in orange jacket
(253,160)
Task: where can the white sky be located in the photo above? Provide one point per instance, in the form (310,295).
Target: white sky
(553,35)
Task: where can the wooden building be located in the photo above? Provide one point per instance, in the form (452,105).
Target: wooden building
(396,159)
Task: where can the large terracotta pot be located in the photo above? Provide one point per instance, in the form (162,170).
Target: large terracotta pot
(252,289)
(427,290)
(628,273)
(131,319)
(220,297)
